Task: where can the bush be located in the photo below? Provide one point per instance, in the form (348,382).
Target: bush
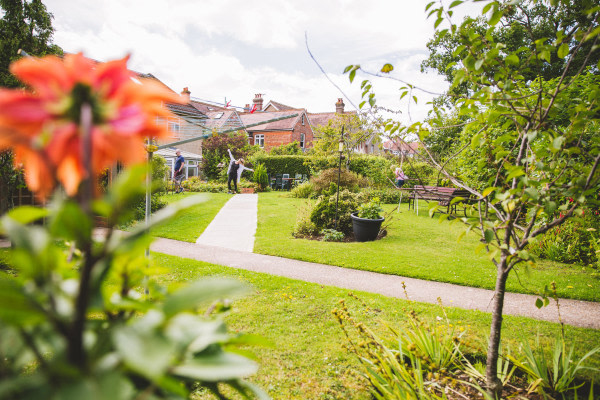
(371,209)
(156,203)
(195,184)
(287,164)
(304,226)
(386,196)
(159,173)
(323,214)
(348,180)
(573,242)
(261,177)
(331,235)
(304,190)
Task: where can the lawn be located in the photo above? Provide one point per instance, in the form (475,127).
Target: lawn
(190,223)
(416,246)
(307,360)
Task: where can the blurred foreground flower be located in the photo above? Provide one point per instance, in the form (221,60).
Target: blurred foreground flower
(43,125)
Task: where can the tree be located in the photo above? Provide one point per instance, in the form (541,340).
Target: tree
(533,114)
(25,25)
(28,26)
(357,130)
(214,151)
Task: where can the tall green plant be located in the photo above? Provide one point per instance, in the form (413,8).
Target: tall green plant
(261,177)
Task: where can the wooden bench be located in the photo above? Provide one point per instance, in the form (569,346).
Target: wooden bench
(442,195)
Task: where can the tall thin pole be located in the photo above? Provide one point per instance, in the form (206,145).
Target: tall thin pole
(337,200)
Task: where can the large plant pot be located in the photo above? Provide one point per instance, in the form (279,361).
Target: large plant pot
(365,230)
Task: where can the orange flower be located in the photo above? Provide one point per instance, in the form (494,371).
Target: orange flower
(43,125)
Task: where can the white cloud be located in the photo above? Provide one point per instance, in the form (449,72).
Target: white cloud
(197,44)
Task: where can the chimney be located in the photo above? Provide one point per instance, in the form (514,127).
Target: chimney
(258,101)
(339,106)
(185,93)
(247,108)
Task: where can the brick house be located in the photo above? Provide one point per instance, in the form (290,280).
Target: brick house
(273,134)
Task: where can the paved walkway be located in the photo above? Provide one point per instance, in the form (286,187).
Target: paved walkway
(229,241)
(234,226)
(574,312)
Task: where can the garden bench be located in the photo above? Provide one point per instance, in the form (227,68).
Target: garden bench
(442,195)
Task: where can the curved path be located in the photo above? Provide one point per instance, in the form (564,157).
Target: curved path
(229,241)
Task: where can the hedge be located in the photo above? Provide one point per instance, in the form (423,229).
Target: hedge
(290,164)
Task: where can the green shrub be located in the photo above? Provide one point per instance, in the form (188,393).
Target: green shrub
(386,196)
(377,169)
(285,164)
(324,212)
(348,180)
(371,209)
(331,235)
(304,226)
(303,191)
(156,203)
(573,242)
(195,184)
(261,177)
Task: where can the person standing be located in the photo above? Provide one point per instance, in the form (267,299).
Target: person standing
(179,172)
(234,172)
(400,177)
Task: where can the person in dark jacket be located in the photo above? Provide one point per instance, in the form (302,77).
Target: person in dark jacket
(179,171)
(234,172)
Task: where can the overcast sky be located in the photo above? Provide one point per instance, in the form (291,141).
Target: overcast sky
(234,49)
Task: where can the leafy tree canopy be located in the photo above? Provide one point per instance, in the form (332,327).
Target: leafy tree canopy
(24,25)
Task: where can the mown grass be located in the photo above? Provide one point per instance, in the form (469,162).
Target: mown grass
(307,360)
(416,246)
(190,223)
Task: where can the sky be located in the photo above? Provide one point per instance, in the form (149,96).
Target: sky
(231,49)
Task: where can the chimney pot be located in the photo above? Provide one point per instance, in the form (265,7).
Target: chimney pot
(339,106)
(185,93)
(258,101)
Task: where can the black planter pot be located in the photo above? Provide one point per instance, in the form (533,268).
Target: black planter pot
(365,230)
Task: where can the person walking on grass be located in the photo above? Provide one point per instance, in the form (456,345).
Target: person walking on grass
(178,172)
(234,172)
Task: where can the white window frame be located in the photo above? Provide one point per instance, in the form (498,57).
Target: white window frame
(259,139)
(302,140)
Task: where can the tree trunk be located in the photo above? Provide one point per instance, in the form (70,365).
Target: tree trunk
(494,385)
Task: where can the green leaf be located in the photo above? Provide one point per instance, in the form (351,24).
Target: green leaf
(455,3)
(27,214)
(387,68)
(495,18)
(539,303)
(15,307)
(216,367)
(70,222)
(487,191)
(512,59)
(478,64)
(352,75)
(190,297)
(563,50)
(488,235)
(144,351)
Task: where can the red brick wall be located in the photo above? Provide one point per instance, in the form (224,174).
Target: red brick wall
(278,138)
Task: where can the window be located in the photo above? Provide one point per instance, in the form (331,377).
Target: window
(259,139)
(302,140)
(192,168)
(302,122)
(174,127)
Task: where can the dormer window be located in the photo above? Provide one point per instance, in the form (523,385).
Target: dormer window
(219,115)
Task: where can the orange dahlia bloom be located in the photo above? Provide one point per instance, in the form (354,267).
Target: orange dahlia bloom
(43,125)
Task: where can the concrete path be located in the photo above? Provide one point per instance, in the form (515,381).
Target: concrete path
(234,226)
(574,312)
